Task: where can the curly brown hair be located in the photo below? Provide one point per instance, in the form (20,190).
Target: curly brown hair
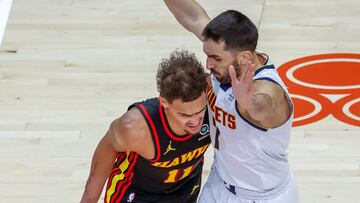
(181,76)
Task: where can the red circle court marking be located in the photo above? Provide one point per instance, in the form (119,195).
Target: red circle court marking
(347,109)
(331,79)
(310,108)
(307,107)
(314,77)
(354,108)
(325,73)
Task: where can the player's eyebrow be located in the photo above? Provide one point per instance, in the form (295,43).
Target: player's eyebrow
(211,55)
(184,114)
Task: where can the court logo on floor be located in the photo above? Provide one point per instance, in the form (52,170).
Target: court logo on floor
(323,85)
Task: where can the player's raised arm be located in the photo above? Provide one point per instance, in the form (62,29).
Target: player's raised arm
(261,101)
(190,15)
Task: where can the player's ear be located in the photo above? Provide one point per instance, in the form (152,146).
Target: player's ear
(164,102)
(243,57)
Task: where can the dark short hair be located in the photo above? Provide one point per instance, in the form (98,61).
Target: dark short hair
(181,76)
(236,29)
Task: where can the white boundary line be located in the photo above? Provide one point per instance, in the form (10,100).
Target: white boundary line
(5,6)
(316,104)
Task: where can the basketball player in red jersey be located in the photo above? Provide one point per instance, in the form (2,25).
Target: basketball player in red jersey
(154,152)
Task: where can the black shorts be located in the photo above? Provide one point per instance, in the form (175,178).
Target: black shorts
(188,193)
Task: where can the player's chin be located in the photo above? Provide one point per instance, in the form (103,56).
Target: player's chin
(225,79)
(193,129)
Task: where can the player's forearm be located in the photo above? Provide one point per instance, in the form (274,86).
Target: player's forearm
(101,165)
(92,191)
(189,14)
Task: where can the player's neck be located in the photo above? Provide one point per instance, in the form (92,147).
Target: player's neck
(258,60)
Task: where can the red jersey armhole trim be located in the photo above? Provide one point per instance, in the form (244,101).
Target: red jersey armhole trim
(153,129)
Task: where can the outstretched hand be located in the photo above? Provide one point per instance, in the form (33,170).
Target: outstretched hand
(244,88)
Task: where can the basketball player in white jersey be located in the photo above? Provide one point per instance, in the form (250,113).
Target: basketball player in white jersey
(250,110)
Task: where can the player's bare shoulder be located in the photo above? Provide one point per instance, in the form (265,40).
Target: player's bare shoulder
(279,100)
(131,132)
(270,88)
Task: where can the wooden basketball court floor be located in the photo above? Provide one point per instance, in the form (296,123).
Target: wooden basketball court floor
(70,67)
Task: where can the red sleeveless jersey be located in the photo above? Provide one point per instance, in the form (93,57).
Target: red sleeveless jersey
(177,158)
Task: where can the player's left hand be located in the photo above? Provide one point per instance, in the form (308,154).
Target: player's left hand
(244,88)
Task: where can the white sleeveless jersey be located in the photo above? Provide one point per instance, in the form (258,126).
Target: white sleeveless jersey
(246,155)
